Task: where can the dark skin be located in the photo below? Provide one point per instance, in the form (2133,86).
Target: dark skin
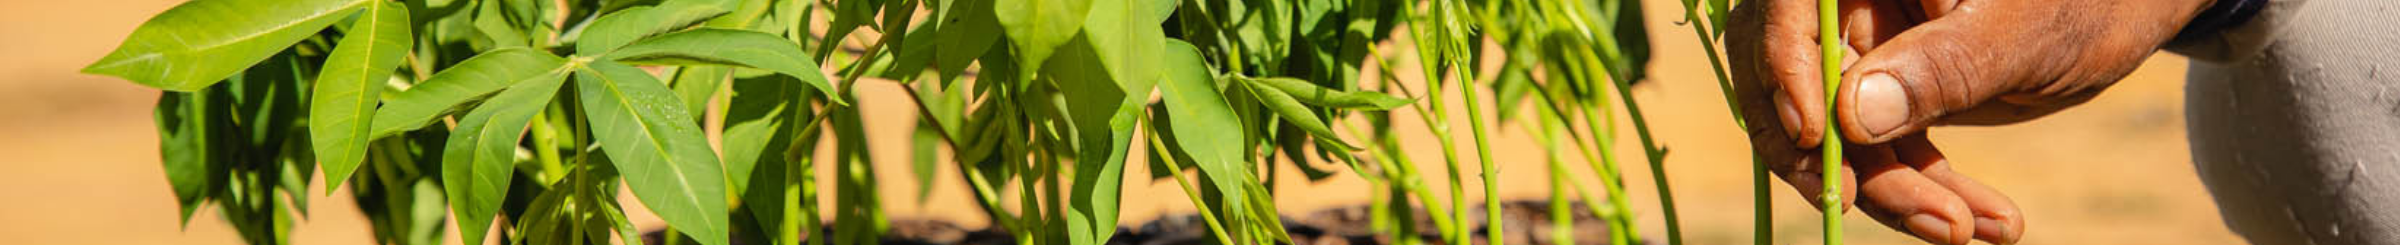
(1914,64)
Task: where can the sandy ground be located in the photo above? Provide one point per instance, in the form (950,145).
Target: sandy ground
(81,156)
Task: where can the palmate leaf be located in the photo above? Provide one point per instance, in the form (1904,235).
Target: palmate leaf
(709,46)
(343,105)
(199,43)
(648,133)
(481,154)
(470,80)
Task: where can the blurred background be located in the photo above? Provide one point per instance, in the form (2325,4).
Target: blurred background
(79,155)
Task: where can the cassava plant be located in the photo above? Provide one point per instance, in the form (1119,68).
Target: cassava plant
(531,114)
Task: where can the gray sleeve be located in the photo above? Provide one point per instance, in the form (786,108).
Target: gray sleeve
(2295,122)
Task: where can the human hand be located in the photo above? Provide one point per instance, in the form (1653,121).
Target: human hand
(1918,63)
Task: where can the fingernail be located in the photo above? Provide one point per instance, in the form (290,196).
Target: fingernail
(1785,106)
(1882,103)
(1932,229)
(2000,231)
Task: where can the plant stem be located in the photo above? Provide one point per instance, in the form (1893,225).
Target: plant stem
(1762,207)
(1206,215)
(1617,73)
(1657,158)
(1409,176)
(1828,40)
(1483,155)
(1439,121)
(1562,219)
(545,148)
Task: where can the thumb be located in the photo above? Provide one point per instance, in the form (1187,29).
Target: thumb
(1946,66)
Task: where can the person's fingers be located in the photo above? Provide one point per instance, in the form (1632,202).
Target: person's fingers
(1787,62)
(1867,23)
(1942,66)
(1926,10)
(1997,219)
(1810,182)
(1900,197)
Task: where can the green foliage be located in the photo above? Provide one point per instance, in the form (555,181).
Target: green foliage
(481,152)
(350,84)
(196,44)
(530,114)
(645,130)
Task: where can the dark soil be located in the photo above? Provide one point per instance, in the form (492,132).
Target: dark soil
(1528,223)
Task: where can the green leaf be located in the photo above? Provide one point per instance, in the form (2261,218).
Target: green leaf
(1290,110)
(1717,10)
(1124,38)
(343,105)
(967,32)
(184,129)
(759,130)
(503,22)
(697,84)
(199,43)
(624,26)
(758,124)
(728,47)
(481,154)
(1320,96)
(909,60)
(470,80)
(1127,39)
(1036,27)
(650,136)
(1634,38)
(847,16)
(1202,119)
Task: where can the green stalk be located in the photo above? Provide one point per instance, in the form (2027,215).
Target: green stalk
(807,201)
(1762,208)
(1603,165)
(1603,138)
(1408,178)
(1483,155)
(1657,158)
(545,148)
(1828,40)
(1214,226)
(1440,126)
(1616,70)
(1028,202)
(1562,219)
(1439,121)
